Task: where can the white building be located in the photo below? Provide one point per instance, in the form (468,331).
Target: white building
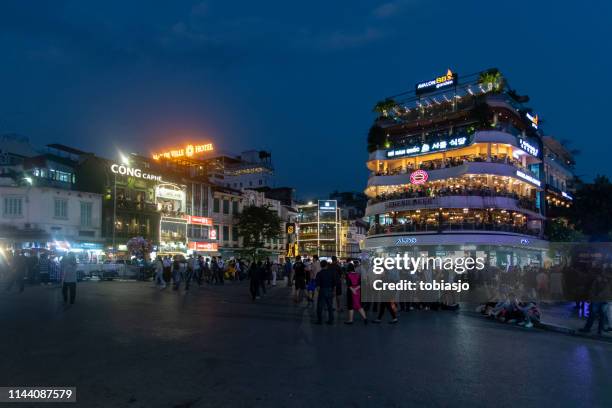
(42,217)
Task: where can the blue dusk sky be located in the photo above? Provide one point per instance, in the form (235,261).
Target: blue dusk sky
(296,78)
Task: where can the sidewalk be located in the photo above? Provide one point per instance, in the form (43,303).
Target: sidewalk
(560,318)
(565,318)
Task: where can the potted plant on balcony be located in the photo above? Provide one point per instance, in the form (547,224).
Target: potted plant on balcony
(492,80)
(384,107)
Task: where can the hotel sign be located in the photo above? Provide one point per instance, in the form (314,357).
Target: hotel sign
(187,151)
(133,172)
(450,79)
(426,147)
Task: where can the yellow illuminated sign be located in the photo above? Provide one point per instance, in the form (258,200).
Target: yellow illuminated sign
(187,151)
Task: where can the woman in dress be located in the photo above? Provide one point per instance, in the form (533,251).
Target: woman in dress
(353,294)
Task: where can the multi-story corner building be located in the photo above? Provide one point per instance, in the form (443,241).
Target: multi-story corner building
(319,229)
(455,163)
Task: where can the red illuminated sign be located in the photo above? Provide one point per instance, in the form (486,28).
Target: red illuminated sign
(203,246)
(419,177)
(196,220)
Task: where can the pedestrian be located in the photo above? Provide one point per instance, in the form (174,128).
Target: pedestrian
(299,275)
(69,277)
(315,268)
(214,271)
(353,295)
(199,269)
(43,268)
(288,272)
(190,270)
(274,273)
(326,282)
(18,270)
(159,273)
(382,306)
(221,270)
(207,271)
(167,269)
(598,306)
(337,269)
(254,280)
(268,269)
(176,273)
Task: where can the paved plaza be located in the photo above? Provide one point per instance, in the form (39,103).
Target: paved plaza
(127,344)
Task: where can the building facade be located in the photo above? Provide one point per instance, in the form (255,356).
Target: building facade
(319,229)
(52,219)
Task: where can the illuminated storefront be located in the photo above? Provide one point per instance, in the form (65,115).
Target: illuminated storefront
(318,229)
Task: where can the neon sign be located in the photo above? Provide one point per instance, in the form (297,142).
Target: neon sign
(133,172)
(419,177)
(426,147)
(564,194)
(197,220)
(440,82)
(533,119)
(327,205)
(528,178)
(406,241)
(187,151)
(203,246)
(532,150)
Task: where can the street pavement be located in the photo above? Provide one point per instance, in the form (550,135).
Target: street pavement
(127,344)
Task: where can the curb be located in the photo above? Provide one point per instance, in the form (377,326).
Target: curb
(550,328)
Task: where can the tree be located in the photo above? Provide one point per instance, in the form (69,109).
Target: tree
(383,107)
(592,212)
(559,231)
(377,137)
(256,225)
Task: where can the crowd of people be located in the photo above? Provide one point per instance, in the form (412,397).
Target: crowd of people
(16,267)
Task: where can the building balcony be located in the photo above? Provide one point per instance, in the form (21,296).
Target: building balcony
(508,202)
(490,168)
(447,227)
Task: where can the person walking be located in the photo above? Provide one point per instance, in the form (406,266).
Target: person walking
(326,282)
(288,271)
(176,273)
(221,270)
(254,280)
(337,269)
(315,268)
(69,277)
(167,269)
(18,270)
(299,275)
(214,271)
(274,273)
(43,268)
(159,273)
(598,306)
(189,272)
(353,295)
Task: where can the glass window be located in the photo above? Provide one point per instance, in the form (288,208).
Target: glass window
(13,206)
(234,207)
(225,206)
(235,234)
(216,205)
(60,208)
(86,214)
(226,233)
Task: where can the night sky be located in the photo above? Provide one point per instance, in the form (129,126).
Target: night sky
(297,78)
